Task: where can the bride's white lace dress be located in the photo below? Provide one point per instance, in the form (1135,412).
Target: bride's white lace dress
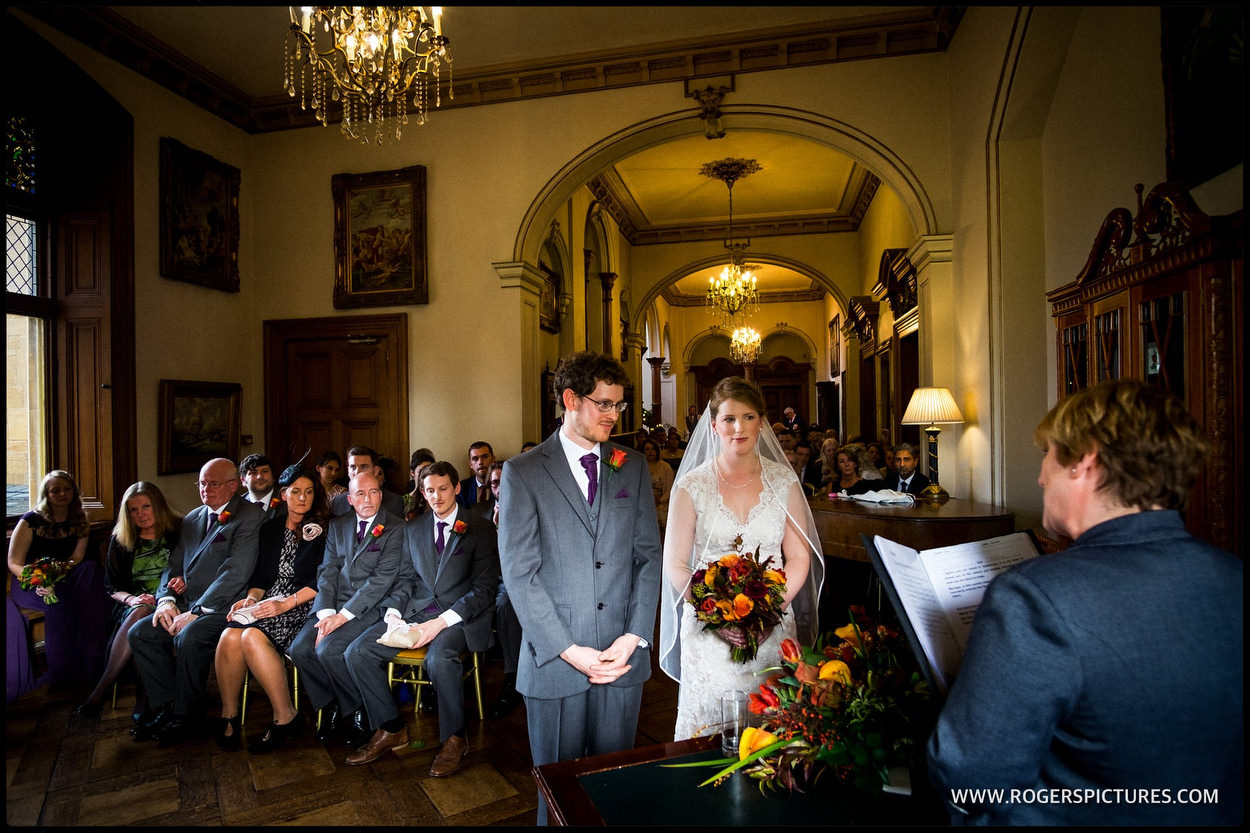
(707,672)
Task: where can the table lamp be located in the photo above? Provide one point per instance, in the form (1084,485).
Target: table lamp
(929,406)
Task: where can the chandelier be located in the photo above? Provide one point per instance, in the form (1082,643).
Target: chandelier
(744,345)
(366,58)
(735,287)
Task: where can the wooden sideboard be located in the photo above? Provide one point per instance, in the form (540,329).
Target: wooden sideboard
(921,526)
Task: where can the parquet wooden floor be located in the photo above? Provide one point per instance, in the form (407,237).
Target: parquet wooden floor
(63,770)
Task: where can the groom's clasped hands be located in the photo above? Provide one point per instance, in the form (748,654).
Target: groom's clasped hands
(603,666)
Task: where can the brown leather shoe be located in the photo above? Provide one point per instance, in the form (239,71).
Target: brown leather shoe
(449,758)
(378,745)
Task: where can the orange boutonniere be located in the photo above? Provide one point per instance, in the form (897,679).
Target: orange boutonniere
(617,459)
(273,501)
(377,530)
(223,518)
(459,527)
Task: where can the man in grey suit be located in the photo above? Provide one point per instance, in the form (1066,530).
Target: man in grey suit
(207,572)
(445,596)
(580,551)
(362,561)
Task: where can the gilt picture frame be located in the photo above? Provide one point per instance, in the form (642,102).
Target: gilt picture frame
(379,238)
(198,422)
(199,217)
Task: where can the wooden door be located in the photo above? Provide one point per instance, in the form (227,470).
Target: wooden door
(334,383)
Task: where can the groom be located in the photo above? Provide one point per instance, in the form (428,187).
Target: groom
(579,546)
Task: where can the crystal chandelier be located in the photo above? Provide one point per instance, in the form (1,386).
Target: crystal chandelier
(744,345)
(366,58)
(735,287)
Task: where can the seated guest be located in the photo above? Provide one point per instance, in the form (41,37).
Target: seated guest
(256,474)
(906,478)
(876,457)
(144,537)
(1061,687)
(786,438)
(475,491)
(848,479)
(866,468)
(527,445)
(671,451)
(445,594)
(889,460)
(828,462)
(75,626)
(208,570)
(364,460)
(277,603)
(807,469)
(329,467)
(661,479)
(414,501)
(362,559)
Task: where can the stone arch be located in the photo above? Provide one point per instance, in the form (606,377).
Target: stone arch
(875,154)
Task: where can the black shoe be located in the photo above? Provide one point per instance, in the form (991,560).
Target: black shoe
(178,730)
(507,702)
(329,727)
(234,740)
(356,732)
(152,722)
(278,734)
(429,703)
(88,710)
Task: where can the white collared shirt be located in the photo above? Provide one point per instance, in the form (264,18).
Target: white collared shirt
(575,453)
(450,617)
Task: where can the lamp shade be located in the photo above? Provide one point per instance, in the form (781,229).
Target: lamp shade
(930,405)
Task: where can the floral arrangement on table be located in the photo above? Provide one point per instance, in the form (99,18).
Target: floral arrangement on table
(742,592)
(855,709)
(44,572)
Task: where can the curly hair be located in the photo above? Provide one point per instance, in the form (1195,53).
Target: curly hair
(1148,445)
(582,372)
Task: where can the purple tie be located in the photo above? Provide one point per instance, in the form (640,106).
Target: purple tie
(212,521)
(360,533)
(439,541)
(591,464)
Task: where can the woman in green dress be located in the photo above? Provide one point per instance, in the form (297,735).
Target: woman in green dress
(144,537)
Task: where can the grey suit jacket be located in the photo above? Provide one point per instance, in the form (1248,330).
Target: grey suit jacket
(216,564)
(463,579)
(577,574)
(358,576)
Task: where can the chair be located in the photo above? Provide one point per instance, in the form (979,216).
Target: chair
(286,660)
(412,661)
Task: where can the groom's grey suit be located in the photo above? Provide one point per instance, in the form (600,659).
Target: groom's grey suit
(579,574)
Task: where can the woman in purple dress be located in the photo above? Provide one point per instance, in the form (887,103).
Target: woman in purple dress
(75,626)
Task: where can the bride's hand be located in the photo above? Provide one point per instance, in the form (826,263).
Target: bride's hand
(734,636)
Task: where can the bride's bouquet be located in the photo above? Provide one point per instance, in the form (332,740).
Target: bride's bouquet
(742,592)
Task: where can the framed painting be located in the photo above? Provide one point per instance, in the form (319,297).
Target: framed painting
(379,238)
(198,421)
(199,227)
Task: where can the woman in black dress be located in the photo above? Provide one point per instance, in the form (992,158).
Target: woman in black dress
(292,545)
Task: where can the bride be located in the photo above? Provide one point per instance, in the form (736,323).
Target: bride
(734,492)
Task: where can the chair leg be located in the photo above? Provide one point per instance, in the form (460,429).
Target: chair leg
(243,703)
(477,685)
(114,704)
(295,686)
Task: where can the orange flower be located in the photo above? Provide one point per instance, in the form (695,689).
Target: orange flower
(727,610)
(790,651)
(775,576)
(709,577)
(743,605)
(835,669)
(752,741)
(848,633)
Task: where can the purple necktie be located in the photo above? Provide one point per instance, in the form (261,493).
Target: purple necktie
(439,541)
(591,464)
(212,521)
(360,533)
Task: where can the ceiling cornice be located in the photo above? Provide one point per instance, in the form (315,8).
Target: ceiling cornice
(678,299)
(905,32)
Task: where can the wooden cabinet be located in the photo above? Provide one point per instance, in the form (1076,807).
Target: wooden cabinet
(1160,299)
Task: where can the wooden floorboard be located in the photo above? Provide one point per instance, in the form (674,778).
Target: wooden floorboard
(62,770)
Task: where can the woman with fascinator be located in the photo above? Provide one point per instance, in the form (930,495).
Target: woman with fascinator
(734,493)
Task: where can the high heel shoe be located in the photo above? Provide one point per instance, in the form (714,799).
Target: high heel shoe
(88,709)
(278,734)
(234,740)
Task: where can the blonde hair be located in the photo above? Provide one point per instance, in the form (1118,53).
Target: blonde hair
(77,518)
(125,531)
(1148,445)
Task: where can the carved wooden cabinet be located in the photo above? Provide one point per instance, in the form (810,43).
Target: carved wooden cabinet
(1160,299)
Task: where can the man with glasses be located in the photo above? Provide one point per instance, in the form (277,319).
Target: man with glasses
(208,571)
(579,546)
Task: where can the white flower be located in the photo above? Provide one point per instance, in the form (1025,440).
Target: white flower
(311,531)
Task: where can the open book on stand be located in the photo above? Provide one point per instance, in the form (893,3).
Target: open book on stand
(937,592)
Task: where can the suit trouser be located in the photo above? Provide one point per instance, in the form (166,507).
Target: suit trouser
(509,629)
(603,718)
(322,667)
(366,660)
(179,680)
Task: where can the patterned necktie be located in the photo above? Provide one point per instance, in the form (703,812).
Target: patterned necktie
(439,541)
(360,533)
(591,464)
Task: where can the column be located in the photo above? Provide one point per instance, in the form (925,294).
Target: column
(607,279)
(656,401)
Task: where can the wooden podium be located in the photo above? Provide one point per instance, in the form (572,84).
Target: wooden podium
(920,526)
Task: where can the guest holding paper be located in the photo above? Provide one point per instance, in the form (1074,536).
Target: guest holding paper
(279,597)
(1110,673)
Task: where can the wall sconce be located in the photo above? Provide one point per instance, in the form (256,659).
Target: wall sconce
(565,300)
(929,406)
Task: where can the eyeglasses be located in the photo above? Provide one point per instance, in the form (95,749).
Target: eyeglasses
(604,407)
(213,484)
